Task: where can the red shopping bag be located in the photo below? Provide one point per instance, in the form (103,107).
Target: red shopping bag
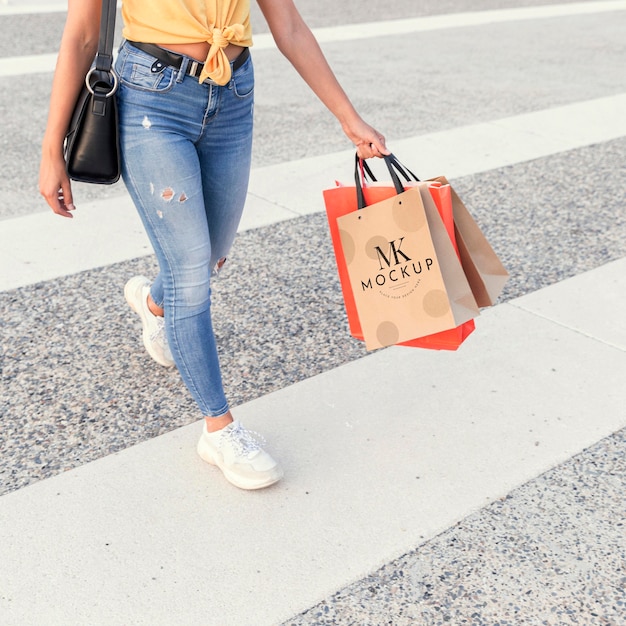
(342,200)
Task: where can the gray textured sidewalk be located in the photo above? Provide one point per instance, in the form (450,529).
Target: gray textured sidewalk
(551,552)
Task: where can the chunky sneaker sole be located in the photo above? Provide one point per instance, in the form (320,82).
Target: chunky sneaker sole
(136,293)
(242,461)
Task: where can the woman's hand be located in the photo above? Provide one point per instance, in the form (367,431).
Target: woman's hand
(54,185)
(368,141)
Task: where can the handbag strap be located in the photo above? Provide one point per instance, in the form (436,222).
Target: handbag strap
(362,171)
(104,57)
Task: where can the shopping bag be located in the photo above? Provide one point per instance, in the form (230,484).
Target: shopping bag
(339,201)
(447,339)
(484,270)
(342,200)
(452,338)
(405,275)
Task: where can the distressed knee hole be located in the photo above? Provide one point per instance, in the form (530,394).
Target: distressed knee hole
(167,194)
(182,197)
(219,265)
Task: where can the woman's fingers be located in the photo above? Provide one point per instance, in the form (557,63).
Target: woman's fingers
(55,187)
(374,148)
(371,143)
(65,198)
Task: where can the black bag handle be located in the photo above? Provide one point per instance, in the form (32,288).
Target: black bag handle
(101,80)
(104,57)
(362,172)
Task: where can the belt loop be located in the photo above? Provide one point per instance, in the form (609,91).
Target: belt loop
(182,70)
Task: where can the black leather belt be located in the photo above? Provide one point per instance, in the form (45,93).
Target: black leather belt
(167,57)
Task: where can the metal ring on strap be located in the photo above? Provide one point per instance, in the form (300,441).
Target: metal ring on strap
(113,87)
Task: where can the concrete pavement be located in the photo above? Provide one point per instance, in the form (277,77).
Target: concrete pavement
(374,469)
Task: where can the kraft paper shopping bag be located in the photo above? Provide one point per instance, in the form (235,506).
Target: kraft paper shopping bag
(446,339)
(341,200)
(484,270)
(404,273)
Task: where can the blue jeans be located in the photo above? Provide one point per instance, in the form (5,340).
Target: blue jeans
(186,151)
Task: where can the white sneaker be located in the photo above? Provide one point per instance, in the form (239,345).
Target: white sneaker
(136,293)
(240,457)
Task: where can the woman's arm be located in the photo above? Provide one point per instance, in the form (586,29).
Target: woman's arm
(78,48)
(296,41)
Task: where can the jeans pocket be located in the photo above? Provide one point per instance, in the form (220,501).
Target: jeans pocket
(243,80)
(141,71)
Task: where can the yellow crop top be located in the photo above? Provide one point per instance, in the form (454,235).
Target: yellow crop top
(218,22)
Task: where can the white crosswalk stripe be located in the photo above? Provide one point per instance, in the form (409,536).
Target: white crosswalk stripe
(56,247)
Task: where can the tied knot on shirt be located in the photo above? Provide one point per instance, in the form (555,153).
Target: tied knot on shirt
(217,65)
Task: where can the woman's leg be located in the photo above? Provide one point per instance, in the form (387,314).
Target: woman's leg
(186,166)
(168,194)
(161,117)
(224,151)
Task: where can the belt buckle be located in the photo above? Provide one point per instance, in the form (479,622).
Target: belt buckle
(193,68)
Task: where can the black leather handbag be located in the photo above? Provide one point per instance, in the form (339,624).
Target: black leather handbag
(91,149)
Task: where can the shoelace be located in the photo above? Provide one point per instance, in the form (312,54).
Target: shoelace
(158,334)
(243,441)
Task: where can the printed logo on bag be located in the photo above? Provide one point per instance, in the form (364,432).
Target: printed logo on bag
(396,273)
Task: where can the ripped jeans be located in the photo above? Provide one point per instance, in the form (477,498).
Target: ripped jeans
(186,150)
